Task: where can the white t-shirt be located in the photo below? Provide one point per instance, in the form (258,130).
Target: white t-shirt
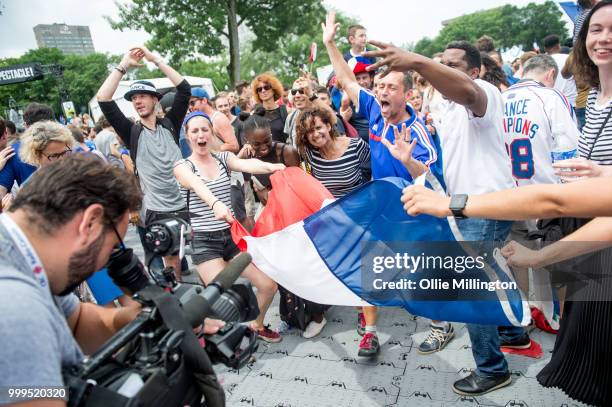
(473,150)
(532,114)
(565,86)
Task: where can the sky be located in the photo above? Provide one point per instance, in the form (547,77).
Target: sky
(396,21)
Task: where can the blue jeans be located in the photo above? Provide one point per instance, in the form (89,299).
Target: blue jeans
(490,360)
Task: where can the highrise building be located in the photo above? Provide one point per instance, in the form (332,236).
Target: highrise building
(70,39)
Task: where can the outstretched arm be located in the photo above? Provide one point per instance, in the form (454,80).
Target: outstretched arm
(344,74)
(452,83)
(528,202)
(252,165)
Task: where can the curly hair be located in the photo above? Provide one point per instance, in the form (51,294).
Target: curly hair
(38,136)
(305,125)
(493,73)
(270,79)
(584,69)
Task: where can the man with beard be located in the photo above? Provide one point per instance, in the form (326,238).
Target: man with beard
(388,117)
(153,142)
(60,229)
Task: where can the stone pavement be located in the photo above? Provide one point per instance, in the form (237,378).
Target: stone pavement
(325,371)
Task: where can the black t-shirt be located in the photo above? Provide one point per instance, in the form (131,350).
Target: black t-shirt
(277,125)
(238,131)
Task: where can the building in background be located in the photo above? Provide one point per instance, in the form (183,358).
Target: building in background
(70,39)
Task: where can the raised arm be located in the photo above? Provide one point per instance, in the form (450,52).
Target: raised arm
(453,84)
(344,74)
(528,202)
(225,131)
(167,70)
(108,88)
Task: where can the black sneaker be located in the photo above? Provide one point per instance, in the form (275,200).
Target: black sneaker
(524,342)
(474,385)
(436,340)
(369,345)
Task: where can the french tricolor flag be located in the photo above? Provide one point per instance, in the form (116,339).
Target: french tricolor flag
(312,245)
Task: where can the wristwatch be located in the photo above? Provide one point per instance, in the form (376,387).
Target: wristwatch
(457,205)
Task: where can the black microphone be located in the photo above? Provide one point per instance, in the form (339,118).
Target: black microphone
(199,306)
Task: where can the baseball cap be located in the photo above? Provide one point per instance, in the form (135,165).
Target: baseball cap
(140,87)
(358,64)
(199,93)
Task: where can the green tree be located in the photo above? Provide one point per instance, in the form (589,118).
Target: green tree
(507,25)
(183,29)
(83,75)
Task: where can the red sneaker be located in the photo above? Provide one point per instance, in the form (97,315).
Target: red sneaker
(369,345)
(268,335)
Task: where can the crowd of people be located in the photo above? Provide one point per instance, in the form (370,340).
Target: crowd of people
(480,124)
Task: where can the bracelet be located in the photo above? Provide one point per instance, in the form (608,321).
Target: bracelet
(212,207)
(157,62)
(121,69)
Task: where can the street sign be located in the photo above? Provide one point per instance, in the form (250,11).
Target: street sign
(20,73)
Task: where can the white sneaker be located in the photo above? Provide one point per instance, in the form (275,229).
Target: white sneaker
(314,328)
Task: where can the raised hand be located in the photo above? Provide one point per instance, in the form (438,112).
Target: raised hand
(401,149)
(330,27)
(5,155)
(144,51)
(392,57)
(132,58)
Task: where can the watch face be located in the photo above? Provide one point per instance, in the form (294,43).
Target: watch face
(458,202)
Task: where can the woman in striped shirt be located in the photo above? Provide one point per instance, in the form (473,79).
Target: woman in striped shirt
(205,183)
(335,161)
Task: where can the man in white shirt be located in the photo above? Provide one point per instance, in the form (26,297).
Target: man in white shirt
(474,158)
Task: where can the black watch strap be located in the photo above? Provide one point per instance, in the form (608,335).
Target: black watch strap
(457,205)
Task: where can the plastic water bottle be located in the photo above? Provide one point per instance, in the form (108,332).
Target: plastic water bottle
(564,147)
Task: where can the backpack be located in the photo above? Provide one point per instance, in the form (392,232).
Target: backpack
(135,136)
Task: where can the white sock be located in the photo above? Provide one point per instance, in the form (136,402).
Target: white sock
(370,328)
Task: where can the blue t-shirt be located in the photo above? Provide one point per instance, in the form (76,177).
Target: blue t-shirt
(15,170)
(383,163)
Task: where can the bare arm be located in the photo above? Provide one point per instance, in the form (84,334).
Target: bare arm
(528,202)
(343,72)
(252,165)
(450,82)
(594,236)
(187,178)
(92,325)
(225,131)
(108,88)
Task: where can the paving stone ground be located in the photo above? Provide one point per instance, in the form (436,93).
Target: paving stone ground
(326,371)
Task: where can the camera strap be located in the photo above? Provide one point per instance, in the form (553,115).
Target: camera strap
(26,250)
(195,356)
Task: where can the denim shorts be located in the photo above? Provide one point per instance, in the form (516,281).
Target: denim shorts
(213,245)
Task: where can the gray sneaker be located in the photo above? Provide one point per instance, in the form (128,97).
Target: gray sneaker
(436,340)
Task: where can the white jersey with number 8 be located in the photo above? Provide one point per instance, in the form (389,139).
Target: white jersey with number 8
(531,113)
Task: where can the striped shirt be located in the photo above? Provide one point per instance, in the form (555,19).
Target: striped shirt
(343,174)
(202,216)
(596,118)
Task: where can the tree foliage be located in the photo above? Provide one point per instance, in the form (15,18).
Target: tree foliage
(507,25)
(184,29)
(83,75)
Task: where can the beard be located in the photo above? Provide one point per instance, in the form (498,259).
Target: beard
(82,265)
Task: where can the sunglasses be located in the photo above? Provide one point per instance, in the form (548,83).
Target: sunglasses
(296,91)
(262,88)
(57,156)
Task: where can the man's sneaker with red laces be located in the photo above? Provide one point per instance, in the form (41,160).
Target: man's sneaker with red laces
(361,324)
(369,345)
(268,335)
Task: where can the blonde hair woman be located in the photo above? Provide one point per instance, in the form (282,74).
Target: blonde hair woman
(45,142)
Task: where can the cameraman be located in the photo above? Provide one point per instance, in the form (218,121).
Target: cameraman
(61,227)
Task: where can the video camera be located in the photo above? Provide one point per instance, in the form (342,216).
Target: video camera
(157,359)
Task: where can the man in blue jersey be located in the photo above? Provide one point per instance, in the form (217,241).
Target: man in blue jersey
(387,115)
